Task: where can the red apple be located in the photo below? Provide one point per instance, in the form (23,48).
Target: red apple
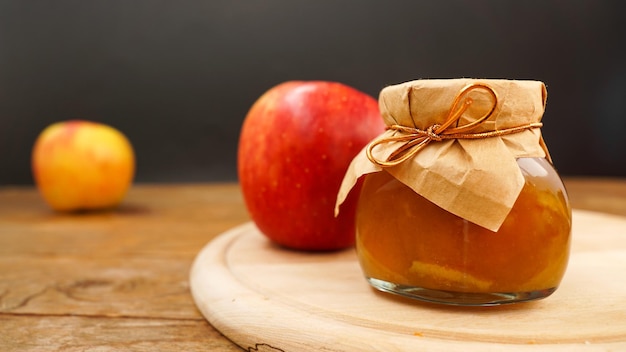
(295,146)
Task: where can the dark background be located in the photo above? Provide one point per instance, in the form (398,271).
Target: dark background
(177,77)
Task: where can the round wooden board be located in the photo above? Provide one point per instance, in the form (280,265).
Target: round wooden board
(267,299)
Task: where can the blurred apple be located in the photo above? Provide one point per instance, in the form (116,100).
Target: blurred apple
(295,146)
(82,165)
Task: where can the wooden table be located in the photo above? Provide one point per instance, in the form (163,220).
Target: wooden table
(119,280)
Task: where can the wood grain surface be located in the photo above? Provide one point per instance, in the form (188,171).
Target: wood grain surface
(110,281)
(118,280)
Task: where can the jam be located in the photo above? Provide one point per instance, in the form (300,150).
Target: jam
(410,246)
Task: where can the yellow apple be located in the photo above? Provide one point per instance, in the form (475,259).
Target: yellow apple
(82,165)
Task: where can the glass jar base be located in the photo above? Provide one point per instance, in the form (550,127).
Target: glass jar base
(459,298)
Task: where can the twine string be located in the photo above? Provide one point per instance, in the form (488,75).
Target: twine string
(415,139)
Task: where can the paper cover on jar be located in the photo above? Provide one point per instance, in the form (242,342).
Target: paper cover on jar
(466,166)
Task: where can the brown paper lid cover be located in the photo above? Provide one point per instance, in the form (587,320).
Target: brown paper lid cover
(472,173)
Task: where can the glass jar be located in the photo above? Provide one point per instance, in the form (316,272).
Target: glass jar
(409,246)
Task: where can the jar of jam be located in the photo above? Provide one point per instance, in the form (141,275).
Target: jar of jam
(460,203)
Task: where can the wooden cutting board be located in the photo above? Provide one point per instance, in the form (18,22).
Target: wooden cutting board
(268,299)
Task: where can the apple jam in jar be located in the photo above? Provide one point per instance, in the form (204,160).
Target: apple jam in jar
(428,253)
(460,203)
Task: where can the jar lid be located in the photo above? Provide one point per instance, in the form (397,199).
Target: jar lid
(455,142)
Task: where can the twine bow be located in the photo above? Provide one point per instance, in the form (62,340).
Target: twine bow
(416,139)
